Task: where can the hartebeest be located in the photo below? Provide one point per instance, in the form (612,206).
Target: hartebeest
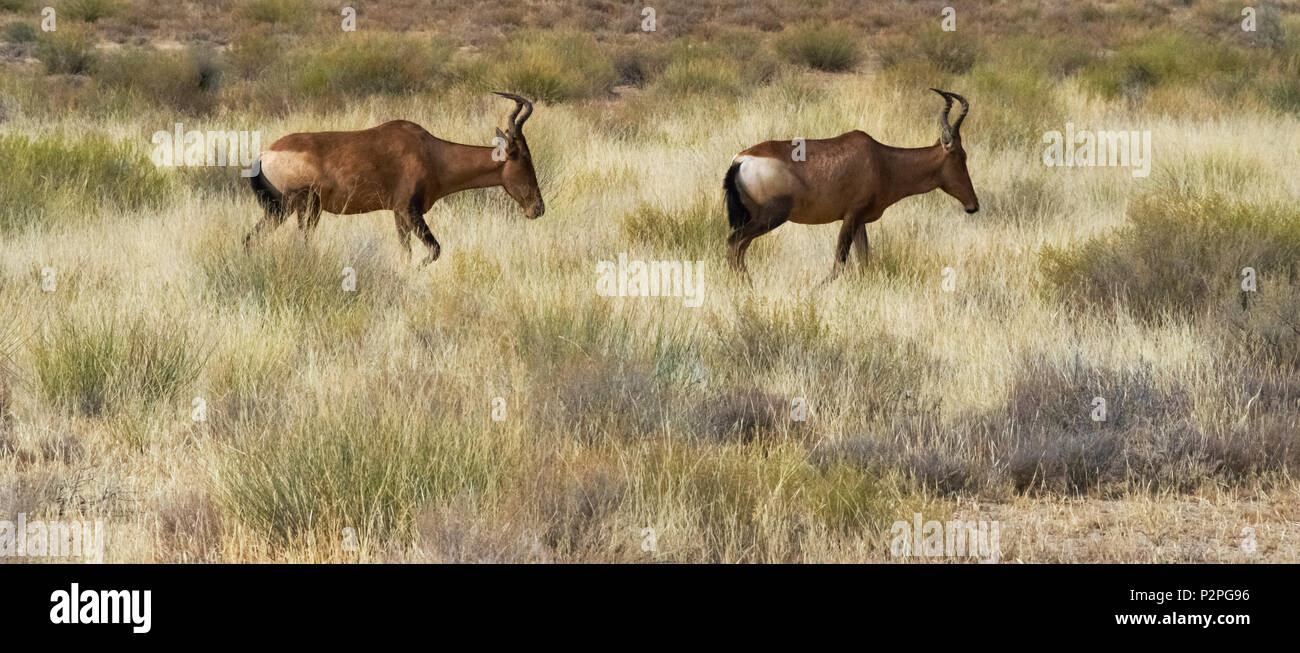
(397,166)
(850,177)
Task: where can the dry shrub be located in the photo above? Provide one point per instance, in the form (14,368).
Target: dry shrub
(597,398)
(189,528)
(1045,438)
(742,416)
(461,531)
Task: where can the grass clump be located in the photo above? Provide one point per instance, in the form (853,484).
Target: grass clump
(725,67)
(68,51)
(301,279)
(253,51)
(1178,255)
(823,47)
(691,232)
(52,179)
(89,11)
(95,365)
(289,13)
(692,75)
(187,82)
(1164,57)
(366,65)
(949,52)
(553,67)
(371,465)
(18,32)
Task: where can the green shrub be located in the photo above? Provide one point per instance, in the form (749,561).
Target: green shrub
(553,67)
(952,52)
(636,63)
(720,68)
(828,47)
(1057,57)
(291,13)
(68,51)
(89,11)
(52,180)
(1284,95)
(187,81)
(369,65)
(1159,58)
(17,32)
(1178,255)
(944,53)
(253,51)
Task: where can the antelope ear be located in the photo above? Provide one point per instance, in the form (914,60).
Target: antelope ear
(504,138)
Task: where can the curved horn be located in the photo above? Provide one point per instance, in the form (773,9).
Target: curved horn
(521,104)
(965,108)
(946,130)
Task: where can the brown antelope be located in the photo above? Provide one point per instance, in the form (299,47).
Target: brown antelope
(850,177)
(397,166)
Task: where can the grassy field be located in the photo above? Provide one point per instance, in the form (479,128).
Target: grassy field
(359,426)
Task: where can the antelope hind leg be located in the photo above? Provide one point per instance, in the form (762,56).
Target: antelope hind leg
(309,215)
(770,216)
(270,220)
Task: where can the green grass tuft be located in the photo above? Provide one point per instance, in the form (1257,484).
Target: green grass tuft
(52,180)
(830,48)
(97,365)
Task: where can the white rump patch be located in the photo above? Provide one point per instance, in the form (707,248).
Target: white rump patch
(763,178)
(288,171)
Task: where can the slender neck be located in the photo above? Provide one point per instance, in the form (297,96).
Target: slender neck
(468,166)
(913,170)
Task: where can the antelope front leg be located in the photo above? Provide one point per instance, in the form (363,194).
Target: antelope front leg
(860,245)
(841,249)
(426,236)
(415,214)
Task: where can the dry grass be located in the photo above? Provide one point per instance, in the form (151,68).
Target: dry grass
(360,426)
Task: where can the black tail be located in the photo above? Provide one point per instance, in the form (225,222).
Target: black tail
(267,195)
(737,215)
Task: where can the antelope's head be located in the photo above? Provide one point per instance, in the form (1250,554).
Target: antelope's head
(518,176)
(953,176)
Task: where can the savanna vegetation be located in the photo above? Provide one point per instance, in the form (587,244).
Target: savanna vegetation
(494,407)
